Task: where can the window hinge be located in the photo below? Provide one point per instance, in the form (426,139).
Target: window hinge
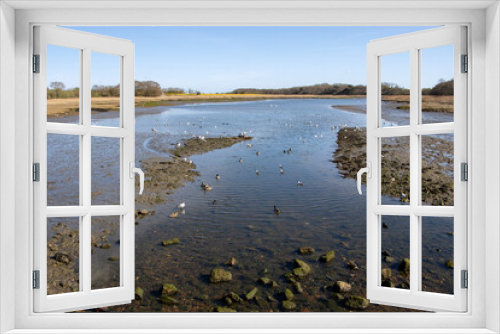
(465,279)
(36,63)
(465,64)
(36,172)
(464,171)
(36,279)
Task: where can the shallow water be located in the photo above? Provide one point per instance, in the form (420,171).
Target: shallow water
(326,213)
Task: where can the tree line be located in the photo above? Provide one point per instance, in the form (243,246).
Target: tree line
(442,88)
(57,90)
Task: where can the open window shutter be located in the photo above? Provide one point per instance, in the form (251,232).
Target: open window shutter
(63,279)
(413,295)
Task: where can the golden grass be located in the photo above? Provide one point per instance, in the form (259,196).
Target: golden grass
(63,107)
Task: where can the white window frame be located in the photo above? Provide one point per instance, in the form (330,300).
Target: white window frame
(86,44)
(484,49)
(413,43)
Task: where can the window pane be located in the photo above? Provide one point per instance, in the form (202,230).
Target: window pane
(105,80)
(437,170)
(395,89)
(105,171)
(63,255)
(395,170)
(63,170)
(63,84)
(437,254)
(395,252)
(105,252)
(437,84)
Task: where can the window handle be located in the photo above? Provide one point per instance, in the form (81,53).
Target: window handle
(368,171)
(134,170)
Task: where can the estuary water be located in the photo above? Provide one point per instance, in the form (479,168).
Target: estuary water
(287,164)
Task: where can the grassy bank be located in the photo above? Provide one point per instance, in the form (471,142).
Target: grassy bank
(65,107)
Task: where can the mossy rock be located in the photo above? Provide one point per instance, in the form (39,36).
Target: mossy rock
(306,250)
(404,266)
(139,293)
(301,268)
(342,287)
(167,300)
(450,264)
(251,294)
(114,258)
(288,294)
(169,289)
(357,303)
(288,305)
(224,309)
(386,274)
(328,257)
(169,242)
(220,275)
(265,280)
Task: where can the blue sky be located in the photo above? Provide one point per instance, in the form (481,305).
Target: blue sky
(220,59)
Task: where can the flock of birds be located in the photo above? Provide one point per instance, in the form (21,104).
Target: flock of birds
(208,187)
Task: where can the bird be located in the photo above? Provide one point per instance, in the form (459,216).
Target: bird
(282,171)
(154,130)
(173,215)
(300,184)
(178,144)
(249,145)
(258,153)
(257,172)
(214,202)
(217,177)
(241,160)
(182,205)
(277,210)
(206,186)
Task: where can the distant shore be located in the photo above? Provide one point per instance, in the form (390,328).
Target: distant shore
(70,106)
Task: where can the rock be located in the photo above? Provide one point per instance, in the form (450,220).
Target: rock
(306,250)
(357,303)
(450,233)
(338,296)
(234,297)
(385,252)
(231,262)
(271,298)
(114,258)
(298,287)
(352,265)
(167,300)
(274,285)
(228,301)
(384,225)
(288,305)
(139,293)
(449,264)
(169,242)
(290,277)
(288,294)
(202,297)
(388,284)
(328,257)
(220,275)
(173,215)
(53,247)
(251,294)
(169,289)
(105,246)
(389,259)
(63,258)
(404,266)
(386,274)
(301,268)
(265,280)
(341,286)
(405,285)
(224,309)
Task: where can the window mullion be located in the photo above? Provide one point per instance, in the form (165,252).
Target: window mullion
(415,171)
(86,166)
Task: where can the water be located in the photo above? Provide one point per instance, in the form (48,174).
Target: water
(326,213)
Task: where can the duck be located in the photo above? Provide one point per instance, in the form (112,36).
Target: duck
(257,172)
(300,184)
(217,177)
(282,171)
(182,205)
(178,145)
(241,160)
(258,153)
(277,210)
(206,186)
